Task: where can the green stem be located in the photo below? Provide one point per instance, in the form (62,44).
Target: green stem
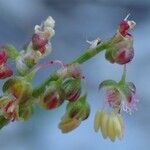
(88,54)
(123,78)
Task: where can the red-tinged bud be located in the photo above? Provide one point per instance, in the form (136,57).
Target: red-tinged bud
(72,89)
(42,49)
(52,97)
(123,55)
(74,70)
(5,72)
(3,57)
(39,41)
(79,109)
(19,88)
(70,70)
(9,108)
(51,100)
(75,113)
(123,28)
(73,95)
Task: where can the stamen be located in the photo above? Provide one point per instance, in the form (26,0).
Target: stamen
(126,18)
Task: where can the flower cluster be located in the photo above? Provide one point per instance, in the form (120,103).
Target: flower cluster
(67,84)
(39,47)
(120,96)
(121,45)
(15,105)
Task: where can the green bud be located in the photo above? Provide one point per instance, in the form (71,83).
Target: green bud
(79,109)
(9,108)
(11,51)
(75,113)
(72,89)
(19,88)
(53,96)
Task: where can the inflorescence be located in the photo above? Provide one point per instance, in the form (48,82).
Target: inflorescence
(67,83)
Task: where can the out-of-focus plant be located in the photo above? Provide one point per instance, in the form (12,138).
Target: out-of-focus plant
(67,83)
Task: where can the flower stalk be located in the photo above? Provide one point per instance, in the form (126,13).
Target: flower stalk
(90,53)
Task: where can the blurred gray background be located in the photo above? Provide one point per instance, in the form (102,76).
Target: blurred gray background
(77,21)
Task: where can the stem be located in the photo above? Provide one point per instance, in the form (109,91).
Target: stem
(123,78)
(88,54)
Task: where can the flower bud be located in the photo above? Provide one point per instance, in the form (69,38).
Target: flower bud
(71,70)
(72,89)
(52,97)
(121,52)
(79,109)
(74,70)
(39,41)
(42,49)
(9,108)
(125,26)
(11,51)
(19,88)
(68,124)
(5,72)
(75,113)
(123,55)
(27,60)
(3,56)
